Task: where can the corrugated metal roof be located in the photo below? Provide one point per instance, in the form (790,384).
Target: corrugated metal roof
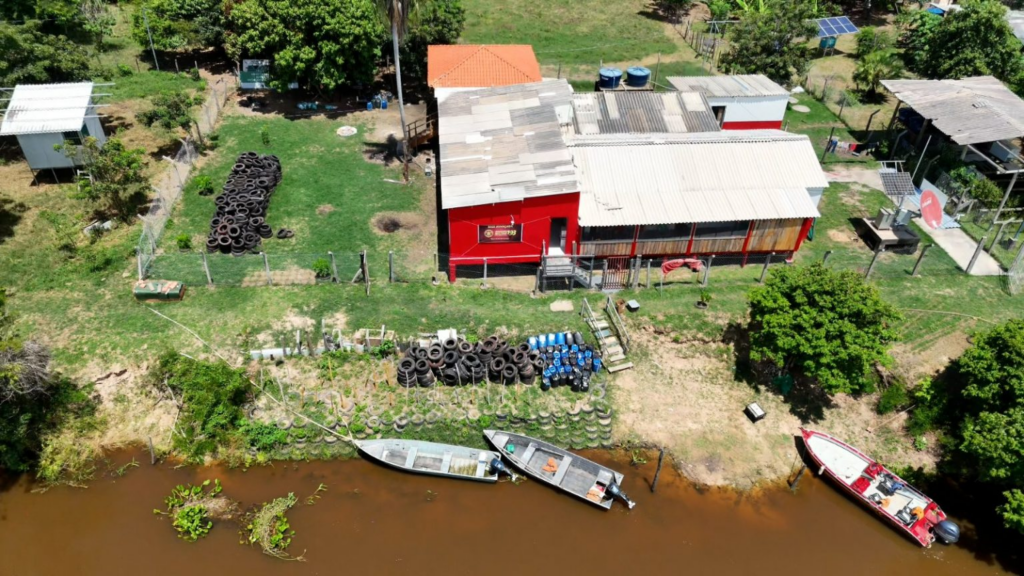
(742,85)
(676,178)
(642,113)
(504,143)
(481,65)
(46,108)
(1016,20)
(969,111)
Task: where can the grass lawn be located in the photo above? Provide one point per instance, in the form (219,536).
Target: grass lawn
(817,125)
(978,231)
(570,31)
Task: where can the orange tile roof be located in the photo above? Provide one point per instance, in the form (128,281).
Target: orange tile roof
(481,65)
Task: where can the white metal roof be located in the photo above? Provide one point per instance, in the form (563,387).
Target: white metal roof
(1016,20)
(738,86)
(46,108)
(628,180)
(969,111)
(504,144)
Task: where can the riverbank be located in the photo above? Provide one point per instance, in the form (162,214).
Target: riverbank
(379,521)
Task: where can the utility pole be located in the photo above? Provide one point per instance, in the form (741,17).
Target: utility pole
(145,19)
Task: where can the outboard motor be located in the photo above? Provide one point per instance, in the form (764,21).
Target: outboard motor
(947,531)
(616,493)
(498,468)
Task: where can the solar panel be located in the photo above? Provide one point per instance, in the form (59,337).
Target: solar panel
(836,26)
(897,183)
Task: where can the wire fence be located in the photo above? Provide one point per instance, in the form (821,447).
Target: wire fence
(168,185)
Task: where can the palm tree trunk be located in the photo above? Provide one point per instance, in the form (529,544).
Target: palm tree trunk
(401,99)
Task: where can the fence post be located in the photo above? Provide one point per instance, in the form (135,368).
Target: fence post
(998,236)
(366,272)
(138,258)
(648,273)
(334,266)
(206,268)
(604,273)
(764,271)
(871,266)
(924,250)
(266,266)
(590,277)
(484,285)
(824,259)
(543,274)
(391,266)
(707,270)
(977,252)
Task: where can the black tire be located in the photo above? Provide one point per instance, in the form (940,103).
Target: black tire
(451,358)
(524,348)
(422,367)
(449,344)
(465,348)
(435,353)
(509,375)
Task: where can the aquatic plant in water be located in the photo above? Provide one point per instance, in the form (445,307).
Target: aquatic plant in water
(193,508)
(268,526)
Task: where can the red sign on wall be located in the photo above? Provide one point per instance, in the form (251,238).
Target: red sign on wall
(500,234)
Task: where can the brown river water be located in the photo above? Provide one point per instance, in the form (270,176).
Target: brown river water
(374,520)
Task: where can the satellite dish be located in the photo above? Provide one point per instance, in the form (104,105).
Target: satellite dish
(931,209)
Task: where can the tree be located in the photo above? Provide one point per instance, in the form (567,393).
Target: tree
(871,39)
(987,412)
(875,67)
(773,42)
(32,400)
(916,30)
(823,324)
(117,180)
(676,7)
(431,22)
(974,41)
(320,44)
(180,24)
(397,13)
(171,110)
(33,57)
(720,9)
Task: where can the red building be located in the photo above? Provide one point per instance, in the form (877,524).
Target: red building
(531,170)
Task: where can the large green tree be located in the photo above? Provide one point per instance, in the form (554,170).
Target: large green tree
(31,56)
(180,24)
(987,412)
(117,179)
(320,44)
(431,22)
(826,325)
(875,67)
(771,41)
(974,41)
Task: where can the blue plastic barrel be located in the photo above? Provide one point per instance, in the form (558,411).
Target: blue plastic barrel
(588,353)
(609,78)
(383,104)
(637,76)
(560,339)
(551,340)
(369,105)
(597,365)
(533,342)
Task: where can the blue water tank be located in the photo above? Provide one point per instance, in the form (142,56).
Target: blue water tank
(637,76)
(609,78)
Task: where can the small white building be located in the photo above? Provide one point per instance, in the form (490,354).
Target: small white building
(742,102)
(42,116)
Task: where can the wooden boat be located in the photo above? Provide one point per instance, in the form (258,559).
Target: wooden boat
(559,468)
(431,458)
(893,499)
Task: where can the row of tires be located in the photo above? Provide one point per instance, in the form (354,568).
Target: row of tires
(239,224)
(456,362)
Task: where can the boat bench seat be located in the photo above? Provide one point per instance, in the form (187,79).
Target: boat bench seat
(411,458)
(446,462)
(563,467)
(529,452)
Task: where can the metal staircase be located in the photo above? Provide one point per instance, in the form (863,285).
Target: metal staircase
(611,335)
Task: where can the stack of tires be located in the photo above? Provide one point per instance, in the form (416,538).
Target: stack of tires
(460,363)
(239,224)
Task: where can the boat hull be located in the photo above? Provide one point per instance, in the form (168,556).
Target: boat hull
(919,531)
(580,477)
(431,458)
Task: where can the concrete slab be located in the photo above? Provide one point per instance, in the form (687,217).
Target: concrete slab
(960,248)
(562,306)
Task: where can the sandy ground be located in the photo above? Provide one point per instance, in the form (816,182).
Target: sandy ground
(685,397)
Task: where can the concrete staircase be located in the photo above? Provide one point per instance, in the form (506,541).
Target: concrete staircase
(611,335)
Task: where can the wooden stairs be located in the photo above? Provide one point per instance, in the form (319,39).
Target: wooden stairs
(422,131)
(611,335)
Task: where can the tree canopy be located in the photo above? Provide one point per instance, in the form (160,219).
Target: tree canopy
(823,324)
(117,177)
(31,56)
(771,40)
(974,41)
(320,44)
(875,67)
(987,411)
(431,22)
(180,24)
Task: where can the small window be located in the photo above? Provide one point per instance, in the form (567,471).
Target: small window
(666,232)
(722,230)
(73,137)
(84,131)
(608,234)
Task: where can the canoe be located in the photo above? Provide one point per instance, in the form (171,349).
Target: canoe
(877,488)
(559,468)
(431,458)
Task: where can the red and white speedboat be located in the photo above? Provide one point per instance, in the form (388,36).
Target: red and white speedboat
(880,490)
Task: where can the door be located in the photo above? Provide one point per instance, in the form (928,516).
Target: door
(616,275)
(559,227)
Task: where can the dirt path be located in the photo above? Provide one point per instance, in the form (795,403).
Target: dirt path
(686,398)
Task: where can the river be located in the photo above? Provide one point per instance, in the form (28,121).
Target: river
(375,521)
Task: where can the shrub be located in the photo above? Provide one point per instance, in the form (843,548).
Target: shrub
(322,268)
(194,74)
(203,185)
(260,435)
(265,135)
(184,241)
(893,398)
(124,70)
